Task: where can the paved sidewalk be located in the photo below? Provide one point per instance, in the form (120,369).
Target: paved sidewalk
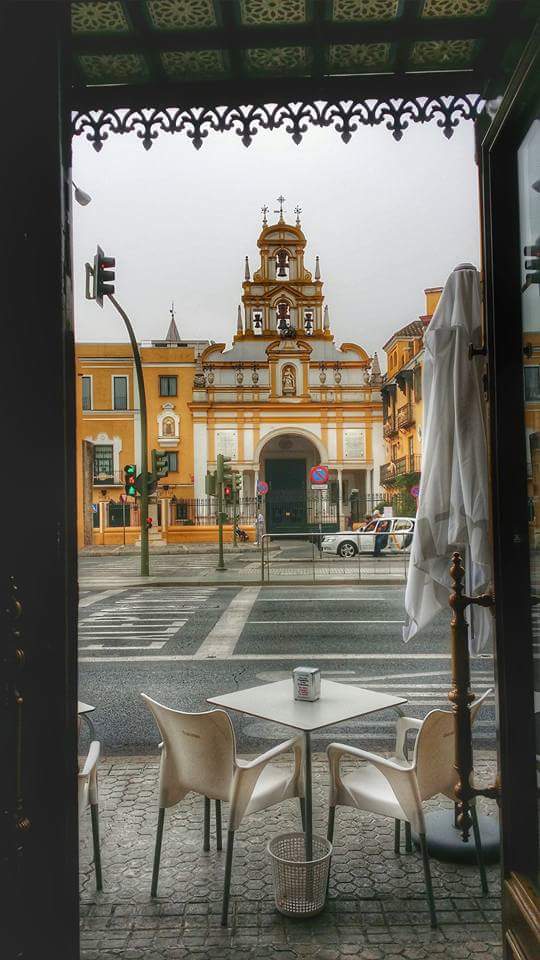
(376,910)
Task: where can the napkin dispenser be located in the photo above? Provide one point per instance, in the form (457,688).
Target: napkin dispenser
(307,683)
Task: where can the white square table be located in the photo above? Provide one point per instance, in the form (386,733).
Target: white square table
(338,702)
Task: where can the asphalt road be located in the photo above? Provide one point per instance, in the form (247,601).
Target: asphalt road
(183,644)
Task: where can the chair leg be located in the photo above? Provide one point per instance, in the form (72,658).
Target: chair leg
(227,883)
(331,824)
(157,852)
(330,837)
(219,842)
(479,854)
(427,875)
(408,840)
(94,813)
(303,813)
(206,835)
(397,834)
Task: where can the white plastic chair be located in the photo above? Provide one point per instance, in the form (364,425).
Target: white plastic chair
(88,797)
(394,787)
(198,754)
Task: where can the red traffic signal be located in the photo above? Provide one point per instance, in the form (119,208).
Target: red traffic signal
(103,276)
(227,490)
(149,522)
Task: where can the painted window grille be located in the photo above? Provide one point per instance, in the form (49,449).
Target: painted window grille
(103,462)
(120,393)
(168,386)
(87,393)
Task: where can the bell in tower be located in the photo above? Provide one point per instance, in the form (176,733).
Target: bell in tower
(282,263)
(283,316)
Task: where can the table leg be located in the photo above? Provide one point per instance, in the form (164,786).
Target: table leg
(89,724)
(308,796)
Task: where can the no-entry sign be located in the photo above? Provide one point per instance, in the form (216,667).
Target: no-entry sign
(319,474)
(262,487)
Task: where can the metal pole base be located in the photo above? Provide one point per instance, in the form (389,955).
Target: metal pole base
(444,839)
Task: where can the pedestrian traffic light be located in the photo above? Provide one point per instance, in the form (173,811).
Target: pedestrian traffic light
(237,482)
(130,473)
(227,492)
(160,465)
(103,276)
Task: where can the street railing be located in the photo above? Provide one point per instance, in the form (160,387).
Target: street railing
(392,563)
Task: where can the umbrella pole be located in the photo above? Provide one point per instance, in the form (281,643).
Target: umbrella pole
(461,696)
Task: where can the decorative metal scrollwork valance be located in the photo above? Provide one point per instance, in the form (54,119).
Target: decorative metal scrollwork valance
(344,116)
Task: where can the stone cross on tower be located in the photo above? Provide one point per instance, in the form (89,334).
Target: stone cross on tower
(281,201)
(264,211)
(298,211)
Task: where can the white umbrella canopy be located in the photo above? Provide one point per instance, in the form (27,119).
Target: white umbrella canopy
(453,499)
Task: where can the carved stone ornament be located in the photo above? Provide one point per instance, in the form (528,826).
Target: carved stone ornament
(337,375)
(289,333)
(209,375)
(322,373)
(254,376)
(345,117)
(239,376)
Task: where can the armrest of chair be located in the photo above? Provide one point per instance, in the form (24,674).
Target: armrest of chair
(247,772)
(90,770)
(403,725)
(402,779)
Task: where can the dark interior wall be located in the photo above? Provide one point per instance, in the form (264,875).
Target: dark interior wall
(39,770)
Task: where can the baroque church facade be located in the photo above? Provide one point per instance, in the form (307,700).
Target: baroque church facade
(285,397)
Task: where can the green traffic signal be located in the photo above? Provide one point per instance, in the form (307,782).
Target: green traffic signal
(130,472)
(237,482)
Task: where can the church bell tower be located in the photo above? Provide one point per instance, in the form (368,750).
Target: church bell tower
(282,294)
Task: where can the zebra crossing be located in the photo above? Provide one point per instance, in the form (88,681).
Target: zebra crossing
(140,620)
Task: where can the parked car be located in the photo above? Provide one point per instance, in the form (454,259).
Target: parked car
(398,530)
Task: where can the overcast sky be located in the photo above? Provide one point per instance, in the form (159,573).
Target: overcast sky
(387,219)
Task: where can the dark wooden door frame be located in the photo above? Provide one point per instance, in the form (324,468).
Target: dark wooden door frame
(37,403)
(514,659)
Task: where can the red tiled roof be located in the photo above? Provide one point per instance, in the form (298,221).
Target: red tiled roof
(411,330)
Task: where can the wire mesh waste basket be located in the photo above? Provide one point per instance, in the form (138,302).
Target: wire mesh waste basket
(299,885)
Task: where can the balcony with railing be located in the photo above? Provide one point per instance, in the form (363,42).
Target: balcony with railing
(405,416)
(399,467)
(108,478)
(389,427)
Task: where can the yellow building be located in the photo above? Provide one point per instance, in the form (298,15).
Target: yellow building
(402,404)
(285,397)
(108,429)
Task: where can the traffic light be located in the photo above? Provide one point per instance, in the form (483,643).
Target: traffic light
(532,265)
(160,465)
(130,473)
(210,484)
(103,276)
(227,492)
(223,473)
(237,482)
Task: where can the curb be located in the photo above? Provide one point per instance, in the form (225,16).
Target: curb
(174,582)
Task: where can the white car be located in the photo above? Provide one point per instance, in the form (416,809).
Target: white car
(398,533)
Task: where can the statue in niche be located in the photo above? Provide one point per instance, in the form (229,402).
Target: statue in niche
(168,427)
(288,381)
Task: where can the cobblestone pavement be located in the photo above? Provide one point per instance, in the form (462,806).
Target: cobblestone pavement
(376,908)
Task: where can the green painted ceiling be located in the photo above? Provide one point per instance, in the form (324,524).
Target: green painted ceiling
(186,42)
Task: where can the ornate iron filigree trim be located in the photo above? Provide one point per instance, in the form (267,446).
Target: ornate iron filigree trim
(345,117)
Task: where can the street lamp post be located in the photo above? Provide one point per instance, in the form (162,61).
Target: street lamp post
(145,558)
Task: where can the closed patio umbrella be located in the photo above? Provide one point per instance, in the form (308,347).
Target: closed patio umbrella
(453,498)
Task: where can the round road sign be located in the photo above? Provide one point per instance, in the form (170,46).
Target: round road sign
(319,474)
(415,491)
(262,486)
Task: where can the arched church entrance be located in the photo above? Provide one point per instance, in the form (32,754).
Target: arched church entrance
(285,462)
